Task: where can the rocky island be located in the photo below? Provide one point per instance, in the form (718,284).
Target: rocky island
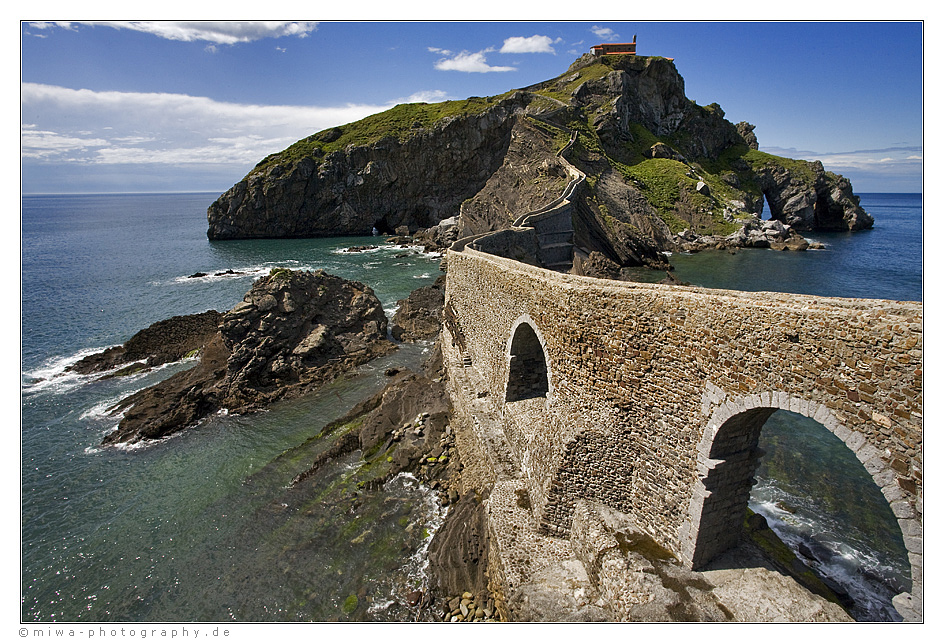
(662,173)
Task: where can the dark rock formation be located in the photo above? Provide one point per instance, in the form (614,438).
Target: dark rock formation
(162,342)
(419,316)
(599,265)
(458,553)
(292,332)
(810,198)
(403,427)
(415,179)
(746,130)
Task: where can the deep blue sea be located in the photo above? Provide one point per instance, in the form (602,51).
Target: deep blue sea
(187,529)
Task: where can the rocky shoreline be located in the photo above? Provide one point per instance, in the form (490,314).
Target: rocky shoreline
(166,341)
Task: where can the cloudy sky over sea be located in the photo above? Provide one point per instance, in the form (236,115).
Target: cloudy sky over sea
(142,106)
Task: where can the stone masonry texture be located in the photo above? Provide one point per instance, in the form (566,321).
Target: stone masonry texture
(656,394)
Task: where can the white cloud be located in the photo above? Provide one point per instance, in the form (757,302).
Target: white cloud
(44,144)
(219,33)
(88,127)
(470,62)
(604,32)
(428,96)
(531,45)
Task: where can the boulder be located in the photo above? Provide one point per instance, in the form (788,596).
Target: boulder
(419,316)
(661,151)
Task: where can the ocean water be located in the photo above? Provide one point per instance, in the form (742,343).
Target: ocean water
(884,262)
(201,527)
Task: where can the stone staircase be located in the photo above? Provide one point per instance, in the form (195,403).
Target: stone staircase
(551,224)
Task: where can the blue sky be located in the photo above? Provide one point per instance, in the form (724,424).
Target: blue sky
(165,106)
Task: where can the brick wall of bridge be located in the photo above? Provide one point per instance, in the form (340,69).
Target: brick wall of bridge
(657,393)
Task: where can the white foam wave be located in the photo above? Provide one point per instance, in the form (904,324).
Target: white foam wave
(54,375)
(202,277)
(414,571)
(833,552)
(357,250)
(101,410)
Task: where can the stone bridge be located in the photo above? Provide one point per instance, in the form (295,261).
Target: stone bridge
(649,399)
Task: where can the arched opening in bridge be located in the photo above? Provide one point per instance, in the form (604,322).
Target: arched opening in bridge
(527,368)
(816,496)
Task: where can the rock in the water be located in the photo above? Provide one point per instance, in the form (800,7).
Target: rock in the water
(419,316)
(812,199)
(292,332)
(162,342)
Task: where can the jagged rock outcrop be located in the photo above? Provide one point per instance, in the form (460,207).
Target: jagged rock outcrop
(811,198)
(649,92)
(292,332)
(656,164)
(165,341)
(746,130)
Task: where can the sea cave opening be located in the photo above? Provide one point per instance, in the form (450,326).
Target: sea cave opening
(382,227)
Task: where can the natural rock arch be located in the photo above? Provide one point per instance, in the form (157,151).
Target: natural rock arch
(528,374)
(727,458)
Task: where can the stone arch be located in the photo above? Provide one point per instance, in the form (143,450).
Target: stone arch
(727,458)
(528,364)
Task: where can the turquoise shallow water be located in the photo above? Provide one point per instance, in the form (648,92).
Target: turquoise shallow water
(200,528)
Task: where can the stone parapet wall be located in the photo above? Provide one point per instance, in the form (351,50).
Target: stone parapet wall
(657,392)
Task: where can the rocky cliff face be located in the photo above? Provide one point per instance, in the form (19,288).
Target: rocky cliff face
(415,177)
(292,332)
(658,166)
